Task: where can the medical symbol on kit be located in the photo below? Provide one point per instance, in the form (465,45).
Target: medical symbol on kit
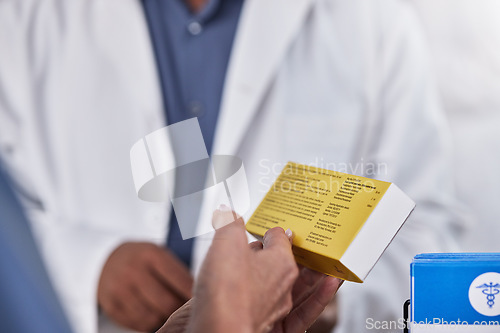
(490,290)
(483,292)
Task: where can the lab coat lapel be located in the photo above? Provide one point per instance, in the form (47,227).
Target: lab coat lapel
(266,29)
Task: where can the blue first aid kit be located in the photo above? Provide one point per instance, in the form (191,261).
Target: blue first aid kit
(455,292)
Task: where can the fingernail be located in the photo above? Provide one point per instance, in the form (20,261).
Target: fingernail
(224,208)
(289,233)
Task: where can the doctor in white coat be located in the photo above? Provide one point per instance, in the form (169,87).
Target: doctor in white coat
(339,84)
(464,37)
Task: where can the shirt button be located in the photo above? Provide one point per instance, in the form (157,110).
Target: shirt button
(195,28)
(195,109)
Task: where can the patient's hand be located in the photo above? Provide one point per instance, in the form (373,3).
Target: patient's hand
(256,288)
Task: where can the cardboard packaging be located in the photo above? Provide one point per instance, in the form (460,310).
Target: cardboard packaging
(455,292)
(341,223)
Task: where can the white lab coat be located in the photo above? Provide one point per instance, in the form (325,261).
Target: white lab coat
(464,36)
(326,82)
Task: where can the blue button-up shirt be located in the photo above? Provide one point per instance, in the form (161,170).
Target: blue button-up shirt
(192,53)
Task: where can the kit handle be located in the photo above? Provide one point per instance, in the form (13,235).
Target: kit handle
(406,312)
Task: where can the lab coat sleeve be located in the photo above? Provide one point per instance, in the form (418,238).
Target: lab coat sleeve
(409,144)
(74,253)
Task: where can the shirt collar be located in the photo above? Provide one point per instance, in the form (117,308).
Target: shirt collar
(207,13)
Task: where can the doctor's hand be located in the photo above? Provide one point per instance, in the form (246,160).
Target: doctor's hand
(142,284)
(256,288)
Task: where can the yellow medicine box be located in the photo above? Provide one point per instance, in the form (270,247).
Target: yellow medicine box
(341,223)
